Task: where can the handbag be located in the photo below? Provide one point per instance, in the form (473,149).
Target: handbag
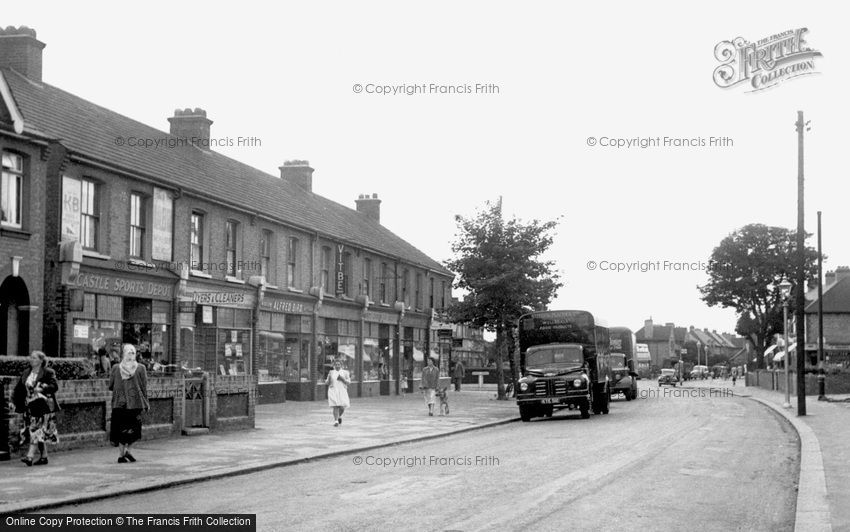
(38,406)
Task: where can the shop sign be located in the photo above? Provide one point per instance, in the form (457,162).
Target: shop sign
(122,286)
(81,331)
(207,314)
(285,305)
(219,298)
(186,306)
(163,222)
(340,270)
(380,317)
(71,208)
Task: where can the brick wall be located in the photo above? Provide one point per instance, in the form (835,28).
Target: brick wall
(835,384)
(87,409)
(836,328)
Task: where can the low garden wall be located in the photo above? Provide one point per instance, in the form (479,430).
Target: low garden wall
(835,383)
(228,403)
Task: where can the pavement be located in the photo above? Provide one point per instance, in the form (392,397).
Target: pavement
(295,432)
(824,483)
(285,434)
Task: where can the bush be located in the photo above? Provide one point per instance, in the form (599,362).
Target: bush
(67,369)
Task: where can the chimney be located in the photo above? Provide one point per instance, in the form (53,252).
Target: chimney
(648,329)
(828,278)
(841,272)
(370,206)
(192,125)
(299,173)
(669,324)
(21,51)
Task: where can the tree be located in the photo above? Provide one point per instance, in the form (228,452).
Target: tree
(498,263)
(744,273)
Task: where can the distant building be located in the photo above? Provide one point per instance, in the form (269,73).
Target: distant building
(836,319)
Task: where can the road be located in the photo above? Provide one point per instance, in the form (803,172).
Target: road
(671,460)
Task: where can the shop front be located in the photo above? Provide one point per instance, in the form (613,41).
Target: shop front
(380,368)
(216,329)
(414,349)
(282,354)
(109,309)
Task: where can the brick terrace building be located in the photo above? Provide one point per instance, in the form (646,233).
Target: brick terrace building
(836,320)
(197,259)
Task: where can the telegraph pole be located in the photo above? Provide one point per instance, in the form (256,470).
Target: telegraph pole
(821,376)
(800,300)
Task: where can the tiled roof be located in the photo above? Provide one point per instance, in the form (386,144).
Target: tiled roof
(836,299)
(660,333)
(90,130)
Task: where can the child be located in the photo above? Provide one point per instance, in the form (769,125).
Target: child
(403,384)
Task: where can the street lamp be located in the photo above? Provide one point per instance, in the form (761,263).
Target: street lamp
(785,290)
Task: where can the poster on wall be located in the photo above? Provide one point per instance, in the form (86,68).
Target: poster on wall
(71,208)
(163,223)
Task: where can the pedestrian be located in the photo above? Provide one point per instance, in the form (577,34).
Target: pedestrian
(338,380)
(428,384)
(129,385)
(35,397)
(403,383)
(458,374)
(734,375)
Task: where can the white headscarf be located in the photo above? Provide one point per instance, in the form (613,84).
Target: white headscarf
(128,363)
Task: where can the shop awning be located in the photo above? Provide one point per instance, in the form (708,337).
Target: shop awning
(366,357)
(781,355)
(770,349)
(418,355)
(272,335)
(347,350)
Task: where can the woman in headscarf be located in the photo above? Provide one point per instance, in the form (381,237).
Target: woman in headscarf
(35,397)
(129,385)
(338,381)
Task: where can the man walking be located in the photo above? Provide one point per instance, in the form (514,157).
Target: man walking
(429,383)
(458,374)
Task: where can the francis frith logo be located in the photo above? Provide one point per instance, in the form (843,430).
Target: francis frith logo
(765,63)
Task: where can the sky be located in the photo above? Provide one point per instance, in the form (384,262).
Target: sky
(532,83)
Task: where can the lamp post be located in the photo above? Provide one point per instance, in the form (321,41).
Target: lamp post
(785,290)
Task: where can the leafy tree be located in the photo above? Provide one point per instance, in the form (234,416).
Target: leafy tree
(745,272)
(498,263)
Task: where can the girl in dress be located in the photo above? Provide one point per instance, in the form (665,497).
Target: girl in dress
(338,381)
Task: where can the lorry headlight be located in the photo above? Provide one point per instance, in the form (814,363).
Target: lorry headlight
(523,386)
(577,383)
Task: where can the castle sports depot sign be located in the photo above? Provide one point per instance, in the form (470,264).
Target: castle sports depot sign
(765,63)
(112,284)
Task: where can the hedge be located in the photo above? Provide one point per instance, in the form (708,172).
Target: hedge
(67,369)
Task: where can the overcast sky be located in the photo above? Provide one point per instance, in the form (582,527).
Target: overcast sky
(285,74)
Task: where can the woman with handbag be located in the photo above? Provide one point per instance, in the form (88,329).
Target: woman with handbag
(129,385)
(35,397)
(338,380)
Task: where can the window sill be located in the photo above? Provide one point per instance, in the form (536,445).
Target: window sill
(273,287)
(95,255)
(15,232)
(141,263)
(198,273)
(385,305)
(296,290)
(234,280)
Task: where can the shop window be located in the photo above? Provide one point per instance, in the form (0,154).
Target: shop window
(230,252)
(430,292)
(326,269)
(197,239)
(137,225)
(90,214)
(11,190)
(266,265)
(442,294)
(292,262)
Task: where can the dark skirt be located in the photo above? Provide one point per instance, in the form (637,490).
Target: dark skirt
(126,426)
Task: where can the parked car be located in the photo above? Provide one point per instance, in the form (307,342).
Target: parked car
(668,376)
(699,372)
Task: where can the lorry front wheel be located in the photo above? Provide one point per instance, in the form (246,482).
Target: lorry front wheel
(606,401)
(525,413)
(584,408)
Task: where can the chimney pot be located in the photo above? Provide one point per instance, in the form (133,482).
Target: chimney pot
(370,206)
(194,126)
(21,51)
(299,172)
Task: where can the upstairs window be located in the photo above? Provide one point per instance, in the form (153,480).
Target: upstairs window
(11,190)
(90,214)
(231,233)
(197,239)
(292,262)
(137,225)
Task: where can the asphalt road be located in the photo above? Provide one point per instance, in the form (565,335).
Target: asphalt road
(671,460)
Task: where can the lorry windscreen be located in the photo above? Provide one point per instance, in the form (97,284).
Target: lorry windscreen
(560,356)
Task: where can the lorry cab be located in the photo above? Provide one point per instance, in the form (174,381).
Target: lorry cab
(623,376)
(556,376)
